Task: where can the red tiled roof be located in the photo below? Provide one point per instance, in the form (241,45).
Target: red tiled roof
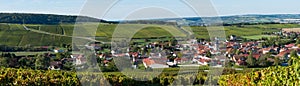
(181,59)
(290,45)
(148,61)
(256,56)
(281,54)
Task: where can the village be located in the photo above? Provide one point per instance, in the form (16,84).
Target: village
(232,52)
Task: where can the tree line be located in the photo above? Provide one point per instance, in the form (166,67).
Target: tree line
(22,18)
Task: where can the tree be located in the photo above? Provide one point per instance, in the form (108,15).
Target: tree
(42,62)
(57,57)
(68,66)
(237,52)
(111,67)
(297,42)
(4,61)
(277,61)
(171,57)
(23,62)
(293,58)
(179,54)
(262,61)
(251,61)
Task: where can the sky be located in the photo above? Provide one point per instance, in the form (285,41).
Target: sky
(148,8)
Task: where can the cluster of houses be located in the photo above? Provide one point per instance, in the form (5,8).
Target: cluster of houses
(157,55)
(199,54)
(163,55)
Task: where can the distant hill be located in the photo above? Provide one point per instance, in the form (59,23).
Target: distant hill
(21,18)
(235,19)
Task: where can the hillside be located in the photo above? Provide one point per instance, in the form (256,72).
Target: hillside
(22,18)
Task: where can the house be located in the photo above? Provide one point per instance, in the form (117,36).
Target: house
(155,63)
(181,60)
(201,60)
(239,59)
(266,50)
(79,59)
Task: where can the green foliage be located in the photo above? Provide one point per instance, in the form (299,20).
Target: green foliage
(42,62)
(262,61)
(293,58)
(18,77)
(251,61)
(10,76)
(277,61)
(111,67)
(272,76)
(297,41)
(6,59)
(21,18)
(208,54)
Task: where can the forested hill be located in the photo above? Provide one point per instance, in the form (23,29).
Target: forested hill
(44,18)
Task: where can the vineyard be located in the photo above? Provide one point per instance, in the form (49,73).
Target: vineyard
(247,30)
(272,76)
(16,35)
(9,76)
